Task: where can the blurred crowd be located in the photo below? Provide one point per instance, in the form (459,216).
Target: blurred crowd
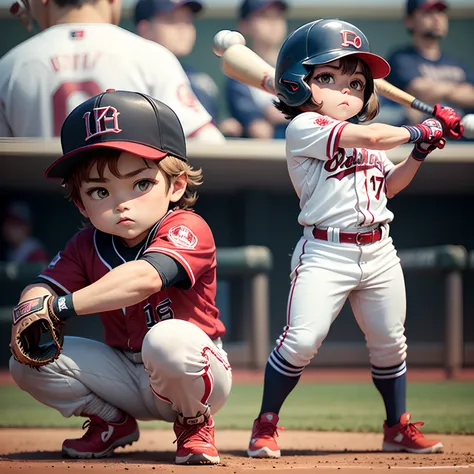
(18,244)
(421,68)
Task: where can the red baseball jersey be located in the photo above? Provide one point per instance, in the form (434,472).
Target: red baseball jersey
(182,235)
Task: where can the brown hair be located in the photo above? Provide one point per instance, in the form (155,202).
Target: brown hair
(348,65)
(171,166)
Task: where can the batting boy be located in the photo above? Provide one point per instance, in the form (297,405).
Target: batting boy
(147,266)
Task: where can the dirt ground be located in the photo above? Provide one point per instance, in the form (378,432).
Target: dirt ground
(38,450)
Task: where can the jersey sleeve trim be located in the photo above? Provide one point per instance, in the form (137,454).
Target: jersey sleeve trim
(199,129)
(333,139)
(389,172)
(55,283)
(177,256)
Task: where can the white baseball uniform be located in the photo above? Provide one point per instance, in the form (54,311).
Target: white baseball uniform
(340,191)
(45,77)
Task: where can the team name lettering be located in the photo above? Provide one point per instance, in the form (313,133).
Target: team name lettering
(74,62)
(443,73)
(105,121)
(349,38)
(342,165)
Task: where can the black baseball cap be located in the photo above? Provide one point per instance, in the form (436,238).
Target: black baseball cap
(121,120)
(413,5)
(146,9)
(249,7)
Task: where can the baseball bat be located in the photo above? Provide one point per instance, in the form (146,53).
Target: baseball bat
(244,65)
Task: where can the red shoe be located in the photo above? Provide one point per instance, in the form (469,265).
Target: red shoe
(263,443)
(101,438)
(407,437)
(196,443)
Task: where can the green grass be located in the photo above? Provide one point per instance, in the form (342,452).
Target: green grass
(446,407)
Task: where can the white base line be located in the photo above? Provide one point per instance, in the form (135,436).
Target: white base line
(374,468)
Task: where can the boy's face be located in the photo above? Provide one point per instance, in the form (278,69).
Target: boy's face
(428,23)
(129,206)
(174,30)
(267,26)
(15,231)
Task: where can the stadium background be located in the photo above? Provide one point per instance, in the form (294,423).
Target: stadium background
(262,210)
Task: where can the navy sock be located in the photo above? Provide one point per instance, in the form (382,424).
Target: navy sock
(280,379)
(391,383)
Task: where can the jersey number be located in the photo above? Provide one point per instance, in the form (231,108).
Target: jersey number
(62,96)
(377,184)
(162,312)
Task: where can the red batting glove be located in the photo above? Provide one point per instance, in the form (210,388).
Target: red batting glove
(423,149)
(451,121)
(429,131)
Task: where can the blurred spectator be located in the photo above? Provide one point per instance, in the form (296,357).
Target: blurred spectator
(423,70)
(264,23)
(21,247)
(82,52)
(171,24)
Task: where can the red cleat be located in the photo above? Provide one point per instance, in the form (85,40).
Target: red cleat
(101,438)
(405,436)
(263,443)
(196,443)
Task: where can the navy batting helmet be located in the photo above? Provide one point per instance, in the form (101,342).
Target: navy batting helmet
(320,42)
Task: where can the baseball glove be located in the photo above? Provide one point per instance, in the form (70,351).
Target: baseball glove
(31,319)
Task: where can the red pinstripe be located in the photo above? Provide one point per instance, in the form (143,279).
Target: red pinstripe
(208,385)
(198,130)
(207,376)
(328,144)
(161,397)
(368,198)
(291,299)
(330,150)
(217,356)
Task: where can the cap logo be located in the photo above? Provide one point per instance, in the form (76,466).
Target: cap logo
(349,38)
(105,121)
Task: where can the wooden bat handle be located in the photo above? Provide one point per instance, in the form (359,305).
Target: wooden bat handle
(244,65)
(401,97)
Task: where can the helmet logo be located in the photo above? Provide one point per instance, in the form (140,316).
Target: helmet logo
(349,38)
(292,85)
(103,116)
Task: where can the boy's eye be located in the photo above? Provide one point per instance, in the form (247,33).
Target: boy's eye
(357,85)
(325,78)
(143,185)
(98,193)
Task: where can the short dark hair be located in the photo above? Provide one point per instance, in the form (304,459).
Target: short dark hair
(72,3)
(348,65)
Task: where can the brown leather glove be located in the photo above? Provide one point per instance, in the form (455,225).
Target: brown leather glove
(31,319)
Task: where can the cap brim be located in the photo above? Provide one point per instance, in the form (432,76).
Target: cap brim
(279,3)
(195,7)
(440,6)
(377,65)
(434,6)
(63,167)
